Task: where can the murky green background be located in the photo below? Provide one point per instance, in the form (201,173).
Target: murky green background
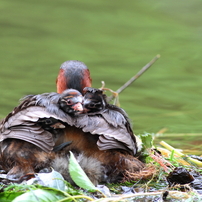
(114,39)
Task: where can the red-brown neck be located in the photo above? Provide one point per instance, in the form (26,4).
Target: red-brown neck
(61,82)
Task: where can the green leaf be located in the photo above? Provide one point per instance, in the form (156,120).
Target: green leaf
(12,191)
(40,195)
(78,175)
(147,140)
(9,196)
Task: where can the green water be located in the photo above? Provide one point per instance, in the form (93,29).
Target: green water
(114,39)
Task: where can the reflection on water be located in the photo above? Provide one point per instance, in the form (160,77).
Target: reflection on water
(115,40)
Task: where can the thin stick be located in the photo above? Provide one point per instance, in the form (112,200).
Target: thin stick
(115,93)
(138,74)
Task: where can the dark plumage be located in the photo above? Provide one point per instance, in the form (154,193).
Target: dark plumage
(103,133)
(73,74)
(95,100)
(28,134)
(110,122)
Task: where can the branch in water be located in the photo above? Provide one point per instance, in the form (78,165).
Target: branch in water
(129,82)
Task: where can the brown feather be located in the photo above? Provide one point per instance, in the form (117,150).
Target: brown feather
(97,125)
(20,157)
(24,122)
(29,132)
(110,122)
(23,125)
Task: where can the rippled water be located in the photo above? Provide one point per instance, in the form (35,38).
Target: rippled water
(115,39)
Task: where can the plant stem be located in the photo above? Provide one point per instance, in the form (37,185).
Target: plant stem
(130,81)
(76,197)
(167,146)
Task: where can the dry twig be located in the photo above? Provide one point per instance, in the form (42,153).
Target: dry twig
(130,81)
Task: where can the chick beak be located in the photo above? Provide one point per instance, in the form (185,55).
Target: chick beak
(78,107)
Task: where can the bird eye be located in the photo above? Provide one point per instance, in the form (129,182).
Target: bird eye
(69,102)
(92,105)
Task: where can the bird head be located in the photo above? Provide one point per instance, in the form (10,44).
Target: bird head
(94,100)
(71,102)
(73,74)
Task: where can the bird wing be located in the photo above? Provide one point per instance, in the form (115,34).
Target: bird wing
(23,125)
(112,132)
(24,122)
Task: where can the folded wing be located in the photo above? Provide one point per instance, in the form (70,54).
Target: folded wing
(24,122)
(112,128)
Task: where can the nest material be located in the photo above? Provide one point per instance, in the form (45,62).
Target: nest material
(145,174)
